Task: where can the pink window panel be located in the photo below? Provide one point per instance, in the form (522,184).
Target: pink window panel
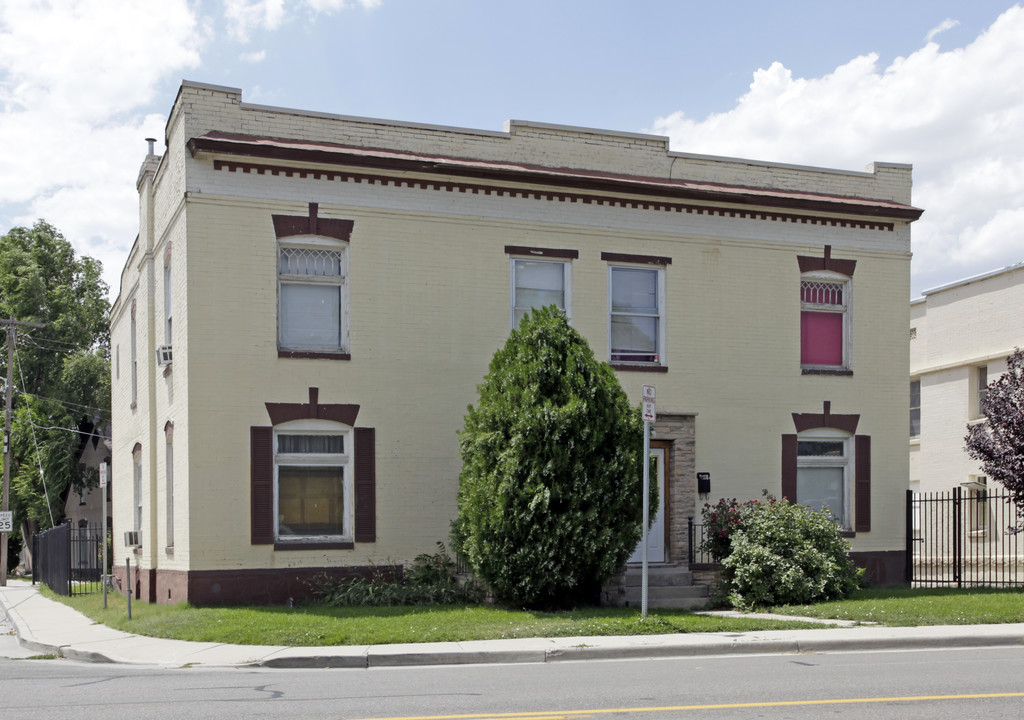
(821,338)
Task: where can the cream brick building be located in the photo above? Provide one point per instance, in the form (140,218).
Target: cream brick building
(324,293)
(960,337)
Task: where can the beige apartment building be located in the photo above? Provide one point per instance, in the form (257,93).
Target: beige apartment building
(313,298)
(960,337)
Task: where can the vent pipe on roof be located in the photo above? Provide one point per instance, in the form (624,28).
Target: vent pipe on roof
(151,142)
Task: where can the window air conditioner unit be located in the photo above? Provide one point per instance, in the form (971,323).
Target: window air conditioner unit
(132,539)
(164,355)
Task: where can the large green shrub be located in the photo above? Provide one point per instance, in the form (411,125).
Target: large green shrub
(550,494)
(787,554)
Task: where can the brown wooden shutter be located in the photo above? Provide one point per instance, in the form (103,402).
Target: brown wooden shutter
(261,469)
(789,467)
(365,485)
(862,483)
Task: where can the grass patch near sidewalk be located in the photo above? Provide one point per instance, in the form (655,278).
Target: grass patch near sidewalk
(320,625)
(921,606)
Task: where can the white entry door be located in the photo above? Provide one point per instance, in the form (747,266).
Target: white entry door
(656,535)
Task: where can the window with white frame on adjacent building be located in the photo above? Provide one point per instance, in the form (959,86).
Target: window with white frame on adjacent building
(824,321)
(823,473)
(979,390)
(314,493)
(915,408)
(313,295)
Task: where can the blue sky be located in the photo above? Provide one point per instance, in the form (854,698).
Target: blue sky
(838,84)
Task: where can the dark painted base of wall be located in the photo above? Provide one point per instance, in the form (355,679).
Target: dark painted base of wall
(885,568)
(225,587)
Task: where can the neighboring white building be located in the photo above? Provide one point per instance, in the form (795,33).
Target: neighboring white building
(960,337)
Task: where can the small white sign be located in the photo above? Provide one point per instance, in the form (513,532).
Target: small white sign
(7,521)
(103,475)
(647,403)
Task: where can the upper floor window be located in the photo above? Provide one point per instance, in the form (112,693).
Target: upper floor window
(636,314)
(979,390)
(824,322)
(539,283)
(168,314)
(915,408)
(313,295)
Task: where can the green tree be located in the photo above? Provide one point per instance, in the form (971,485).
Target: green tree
(998,443)
(61,372)
(551,484)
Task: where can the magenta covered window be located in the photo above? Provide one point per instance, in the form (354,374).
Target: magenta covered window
(821,338)
(822,323)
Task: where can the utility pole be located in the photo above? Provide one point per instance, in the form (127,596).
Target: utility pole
(12,331)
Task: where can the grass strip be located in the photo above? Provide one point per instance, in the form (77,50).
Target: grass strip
(320,625)
(908,607)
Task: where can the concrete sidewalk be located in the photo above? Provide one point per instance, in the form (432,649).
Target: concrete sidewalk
(46,627)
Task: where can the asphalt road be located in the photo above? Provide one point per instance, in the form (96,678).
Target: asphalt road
(934,685)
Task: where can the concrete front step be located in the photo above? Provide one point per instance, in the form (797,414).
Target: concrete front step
(668,587)
(679,601)
(659,575)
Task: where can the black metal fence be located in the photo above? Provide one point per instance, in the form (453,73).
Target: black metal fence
(69,560)
(963,538)
(695,536)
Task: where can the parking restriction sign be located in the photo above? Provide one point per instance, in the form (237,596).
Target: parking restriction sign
(647,403)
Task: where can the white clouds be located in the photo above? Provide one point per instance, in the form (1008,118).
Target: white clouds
(947,24)
(73,75)
(955,115)
(245,16)
(253,57)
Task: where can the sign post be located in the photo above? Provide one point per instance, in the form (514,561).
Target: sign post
(647,411)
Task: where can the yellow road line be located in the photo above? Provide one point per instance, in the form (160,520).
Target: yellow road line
(546,715)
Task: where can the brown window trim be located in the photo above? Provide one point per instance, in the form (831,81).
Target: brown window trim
(542,252)
(630,367)
(827,262)
(823,371)
(300,545)
(636,259)
(305,355)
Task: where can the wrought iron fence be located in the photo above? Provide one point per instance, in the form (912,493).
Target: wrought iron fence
(69,560)
(696,553)
(963,538)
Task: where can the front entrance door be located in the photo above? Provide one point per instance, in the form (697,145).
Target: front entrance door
(656,535)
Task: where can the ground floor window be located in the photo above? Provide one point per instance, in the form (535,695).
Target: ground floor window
(313,488)
(822,475)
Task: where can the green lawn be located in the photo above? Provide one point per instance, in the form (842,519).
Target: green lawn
(317,625)
(911,607)
(312,625)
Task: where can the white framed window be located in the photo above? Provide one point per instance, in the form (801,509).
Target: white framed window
(915,408)
(538,283)
(168,314)
(135,361)
(169,490)
(313,489)
(825,321)
(636,320)
(977,505)
(137,490)
(313,295)
(824,468)
(979,390)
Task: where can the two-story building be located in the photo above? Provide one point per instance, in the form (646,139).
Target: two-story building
(313,298)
